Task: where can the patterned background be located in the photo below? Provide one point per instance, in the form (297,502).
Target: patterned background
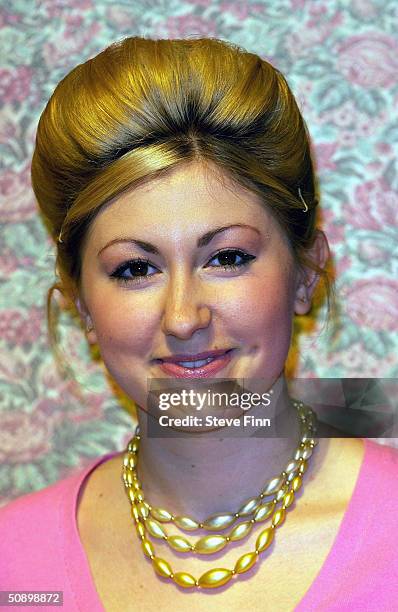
(341,60)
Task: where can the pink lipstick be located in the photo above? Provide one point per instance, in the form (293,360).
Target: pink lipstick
(195,366)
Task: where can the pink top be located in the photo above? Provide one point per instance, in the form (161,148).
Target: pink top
(40,548)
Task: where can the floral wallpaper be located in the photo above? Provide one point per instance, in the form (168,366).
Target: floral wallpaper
(341,60)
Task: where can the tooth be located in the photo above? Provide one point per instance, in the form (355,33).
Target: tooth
(195,364)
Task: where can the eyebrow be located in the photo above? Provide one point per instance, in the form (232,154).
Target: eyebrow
(201,242)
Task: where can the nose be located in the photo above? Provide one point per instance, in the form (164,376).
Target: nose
(185,308)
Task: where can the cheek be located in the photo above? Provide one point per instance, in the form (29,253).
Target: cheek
(123,323)
(264,309)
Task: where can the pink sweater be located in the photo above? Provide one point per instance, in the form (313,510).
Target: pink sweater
(40,547)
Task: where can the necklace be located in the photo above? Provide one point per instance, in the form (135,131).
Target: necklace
(149,520)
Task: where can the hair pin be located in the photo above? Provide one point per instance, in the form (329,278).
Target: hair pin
(59,236)
(303,201)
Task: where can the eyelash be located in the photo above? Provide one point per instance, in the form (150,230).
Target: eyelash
(117,274)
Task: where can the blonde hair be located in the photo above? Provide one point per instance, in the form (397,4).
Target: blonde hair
(140,108)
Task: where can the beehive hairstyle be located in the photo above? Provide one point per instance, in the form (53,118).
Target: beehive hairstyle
(142,107)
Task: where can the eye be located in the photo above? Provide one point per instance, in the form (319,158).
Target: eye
(138,269)
(135,271)
(227,259)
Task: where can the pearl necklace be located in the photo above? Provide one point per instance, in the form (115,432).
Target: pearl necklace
(282,488)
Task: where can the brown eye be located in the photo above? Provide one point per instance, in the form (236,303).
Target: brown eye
(137,269)
(227,259)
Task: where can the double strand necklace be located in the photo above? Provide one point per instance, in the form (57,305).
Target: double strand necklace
(149,520)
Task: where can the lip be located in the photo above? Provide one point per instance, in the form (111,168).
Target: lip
(219,362)
(186,357)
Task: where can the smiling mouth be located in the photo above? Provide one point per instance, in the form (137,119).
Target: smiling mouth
(195,364)
(194,361)
(195,368)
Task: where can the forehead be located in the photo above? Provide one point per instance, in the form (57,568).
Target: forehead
(190,198)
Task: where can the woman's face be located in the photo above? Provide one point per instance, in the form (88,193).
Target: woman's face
(187,299)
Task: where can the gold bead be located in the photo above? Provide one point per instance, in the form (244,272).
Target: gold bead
(135,514)
(186,523)
(130,479)
(140,530)
(155,528)
(134,446)
(136,485)
(147,547)
(132,461)
(264,539)
(249,506)
(297,453)
(273,485)
(215,578)
(307,452)
(218,521)
(296,483)
(264,511)
(184,579)
(241,530)
(282,491)
(303,466)
(162,567)
(288,499)
(139,496)
(278,517)
(210,544)
(143,510)
(245,562)
(292,466)
(161,515)
(179,543)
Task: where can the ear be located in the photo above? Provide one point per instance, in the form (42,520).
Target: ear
(307,279)
(87,320)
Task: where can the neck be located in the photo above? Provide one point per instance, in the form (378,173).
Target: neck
(199,475)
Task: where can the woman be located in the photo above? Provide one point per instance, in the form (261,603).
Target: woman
(177,182)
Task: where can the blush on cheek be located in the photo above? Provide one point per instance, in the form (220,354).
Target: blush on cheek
(265,306)
(267,324)
(126,333)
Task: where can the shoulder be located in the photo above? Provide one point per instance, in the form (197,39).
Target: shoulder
(32,507)
(33,527)
(381,461)
(376,485)
(29,535)
(38,504)
(40,507)
(378,465)
(27,519)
